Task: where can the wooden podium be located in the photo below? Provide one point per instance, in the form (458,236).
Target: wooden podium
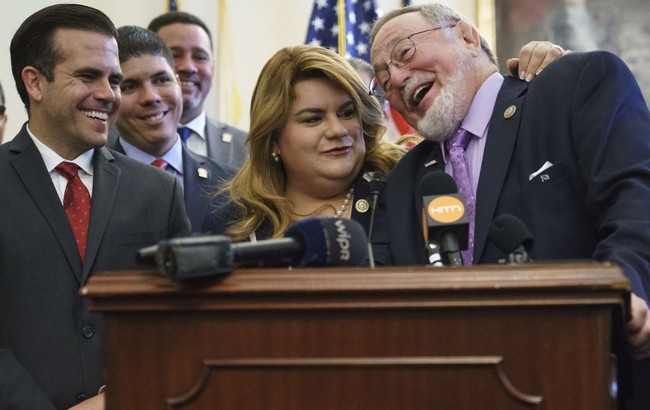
(488,337)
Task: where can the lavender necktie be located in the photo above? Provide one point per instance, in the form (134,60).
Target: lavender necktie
(456,146)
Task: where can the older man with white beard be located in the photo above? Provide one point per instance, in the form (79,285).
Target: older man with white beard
(568,153)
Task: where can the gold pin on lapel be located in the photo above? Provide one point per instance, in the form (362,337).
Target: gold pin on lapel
(509,112)
(203,173)
(226,137)
(362,205)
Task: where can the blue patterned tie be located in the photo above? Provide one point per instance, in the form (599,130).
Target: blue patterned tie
(185,133)
(456,146)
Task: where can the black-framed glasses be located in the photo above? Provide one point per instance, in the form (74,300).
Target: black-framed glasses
(403,52)
(2,109)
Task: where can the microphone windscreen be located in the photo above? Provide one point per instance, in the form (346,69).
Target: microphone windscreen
(331,242)
(508,232)
(437,183)
(310,233)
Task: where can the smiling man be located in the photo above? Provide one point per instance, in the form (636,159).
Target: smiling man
(148,117)
(192,48)
(567,153)
(70,208)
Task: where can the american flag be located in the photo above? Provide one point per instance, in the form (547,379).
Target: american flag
(325,26)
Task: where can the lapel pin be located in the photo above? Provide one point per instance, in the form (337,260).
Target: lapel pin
(432,162)
(226,137)
(361,205)
(509,112)
(203,173)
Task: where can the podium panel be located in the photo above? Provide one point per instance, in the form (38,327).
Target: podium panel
(489,337)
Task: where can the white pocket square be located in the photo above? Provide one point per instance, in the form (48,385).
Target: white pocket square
(544,167)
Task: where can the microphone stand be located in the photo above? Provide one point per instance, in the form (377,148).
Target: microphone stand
(371,256)
(377,184)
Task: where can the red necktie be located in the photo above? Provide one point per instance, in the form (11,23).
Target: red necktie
(456,146)
(76,202)
(160,163)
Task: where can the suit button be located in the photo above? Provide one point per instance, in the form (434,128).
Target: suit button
(87,332)
(81,397)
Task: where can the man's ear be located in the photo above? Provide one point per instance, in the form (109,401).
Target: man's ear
(33,80)
(470,36)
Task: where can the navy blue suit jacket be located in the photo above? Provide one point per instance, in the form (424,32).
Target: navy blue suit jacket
(584,114)
(201,178)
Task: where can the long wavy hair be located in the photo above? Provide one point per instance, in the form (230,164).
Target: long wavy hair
(258,189)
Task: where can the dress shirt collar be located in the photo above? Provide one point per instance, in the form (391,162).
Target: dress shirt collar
(480,110)
(52,159)
(174,157)
(197,125)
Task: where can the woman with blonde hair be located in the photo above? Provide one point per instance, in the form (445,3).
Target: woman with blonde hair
(315,136)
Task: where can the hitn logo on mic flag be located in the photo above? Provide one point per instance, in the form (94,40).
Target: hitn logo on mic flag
(446,209)
(446,212)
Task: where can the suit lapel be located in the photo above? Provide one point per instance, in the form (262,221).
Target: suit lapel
(195,204)
(199,181)
(105,183)
(217,150)
(422,159)
(31,170)
(500,144)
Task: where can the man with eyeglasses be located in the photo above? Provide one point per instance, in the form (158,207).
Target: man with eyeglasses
(568,153)
(3,114)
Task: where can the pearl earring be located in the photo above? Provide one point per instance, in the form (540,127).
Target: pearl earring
(275,156)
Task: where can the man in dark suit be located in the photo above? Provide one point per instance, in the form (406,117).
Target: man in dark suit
(150,110)
(65,63)
(191,43)
(567,153)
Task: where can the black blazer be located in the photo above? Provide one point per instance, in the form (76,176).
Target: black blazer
(224,212)
(584,114)
(44,322)
(202,177)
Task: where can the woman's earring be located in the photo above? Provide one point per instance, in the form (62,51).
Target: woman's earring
(275,156)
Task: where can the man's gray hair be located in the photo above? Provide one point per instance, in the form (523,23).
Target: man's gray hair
(438,14)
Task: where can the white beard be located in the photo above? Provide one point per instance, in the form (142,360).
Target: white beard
(450,107)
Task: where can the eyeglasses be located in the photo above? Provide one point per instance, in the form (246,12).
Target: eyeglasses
(402,53)
(2,109)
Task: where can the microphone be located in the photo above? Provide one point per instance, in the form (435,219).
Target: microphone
(377,185)
(311,242)
(444,220)
(511,236)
